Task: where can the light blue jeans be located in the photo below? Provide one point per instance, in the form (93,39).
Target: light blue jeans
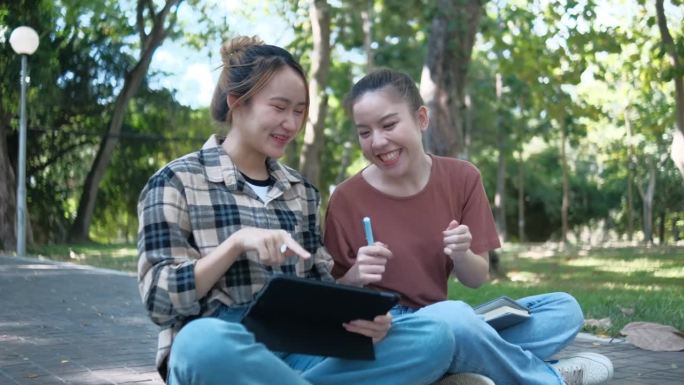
(219,350)
(515,355)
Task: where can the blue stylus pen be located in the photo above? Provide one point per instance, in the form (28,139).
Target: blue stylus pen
(368,230)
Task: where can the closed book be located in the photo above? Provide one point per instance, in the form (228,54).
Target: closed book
(502,312)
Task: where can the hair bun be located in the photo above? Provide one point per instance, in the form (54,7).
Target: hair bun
(238,44)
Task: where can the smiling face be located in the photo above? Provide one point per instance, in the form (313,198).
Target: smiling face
(268,121)
(389,131)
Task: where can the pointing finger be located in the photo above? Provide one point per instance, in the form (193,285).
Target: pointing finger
(294,247)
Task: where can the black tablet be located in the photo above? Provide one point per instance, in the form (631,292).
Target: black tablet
(299,315)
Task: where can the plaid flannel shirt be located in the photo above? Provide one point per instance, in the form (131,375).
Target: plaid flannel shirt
(194,203)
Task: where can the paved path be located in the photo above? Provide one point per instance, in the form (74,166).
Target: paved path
(68,324)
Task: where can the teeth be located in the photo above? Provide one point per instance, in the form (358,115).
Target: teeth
(389,156)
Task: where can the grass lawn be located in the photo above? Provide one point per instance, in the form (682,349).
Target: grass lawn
(620,284)
(122,257)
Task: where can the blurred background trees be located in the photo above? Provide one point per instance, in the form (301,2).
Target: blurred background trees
(569,108)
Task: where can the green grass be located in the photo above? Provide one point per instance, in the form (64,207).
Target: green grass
(122,257)
(621,284)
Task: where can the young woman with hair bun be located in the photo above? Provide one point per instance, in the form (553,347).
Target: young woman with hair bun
(213,224)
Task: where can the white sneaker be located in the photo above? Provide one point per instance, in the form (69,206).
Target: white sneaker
(585,368)
(465,379)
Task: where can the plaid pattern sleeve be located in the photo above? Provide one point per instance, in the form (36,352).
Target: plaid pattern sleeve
(167,255)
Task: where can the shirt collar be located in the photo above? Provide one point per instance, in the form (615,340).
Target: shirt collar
(219,167)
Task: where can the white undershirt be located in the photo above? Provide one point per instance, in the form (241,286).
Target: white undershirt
(261,191)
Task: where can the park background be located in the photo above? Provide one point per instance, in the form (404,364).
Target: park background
(572,110)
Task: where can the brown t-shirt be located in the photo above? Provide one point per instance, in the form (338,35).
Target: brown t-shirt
(412,228)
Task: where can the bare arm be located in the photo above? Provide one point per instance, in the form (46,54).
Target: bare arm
(471,269)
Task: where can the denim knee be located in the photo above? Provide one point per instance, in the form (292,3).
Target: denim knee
(463,323)
(438,339)
(206,342)
(571,309)
(432,339)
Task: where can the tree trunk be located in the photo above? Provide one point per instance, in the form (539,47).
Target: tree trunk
(310,158)
(8,202)
(661,228)
(565,204)
(677,150)
(674,229)
(442,82)
(149,43)
(345,161)
(671,49)
(499,197)
(630,180)
(367,26)
(468,125)
(630,202)
(678,79)
(647,201)
(521,180)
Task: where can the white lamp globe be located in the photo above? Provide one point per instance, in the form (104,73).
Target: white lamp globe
(24,40)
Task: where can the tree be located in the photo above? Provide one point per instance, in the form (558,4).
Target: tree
(8,236)
(501,144)
(513,47)
(677,150)
(637,105)
(674,50)
(647,193)
(309,161)
(156,130)
(675,53)
(153,26)
(442,83)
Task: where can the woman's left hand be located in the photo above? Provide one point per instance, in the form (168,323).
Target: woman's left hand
(376,329)
(457,240)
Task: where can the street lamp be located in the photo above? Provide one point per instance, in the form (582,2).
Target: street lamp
(24,41)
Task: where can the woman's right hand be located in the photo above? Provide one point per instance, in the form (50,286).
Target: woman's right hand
(369,265)
(272,246)
(267,243)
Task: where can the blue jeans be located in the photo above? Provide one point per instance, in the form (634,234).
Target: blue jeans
(514,355)
(219,350)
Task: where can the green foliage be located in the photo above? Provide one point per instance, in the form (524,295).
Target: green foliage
(65,109)
(144,149)
(86,49)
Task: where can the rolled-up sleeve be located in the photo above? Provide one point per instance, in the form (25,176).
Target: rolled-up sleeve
(166,249)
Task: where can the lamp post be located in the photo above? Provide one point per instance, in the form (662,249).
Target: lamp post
(24,41)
